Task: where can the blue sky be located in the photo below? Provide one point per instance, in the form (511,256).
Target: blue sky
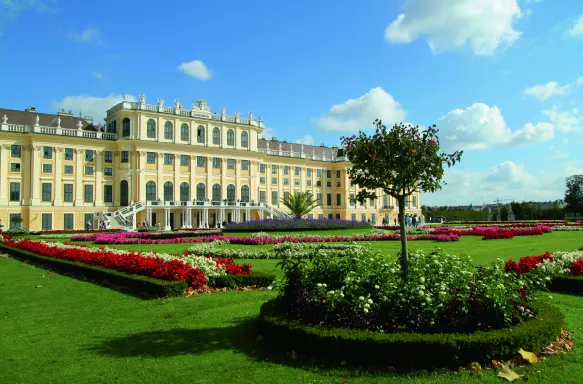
(501,82)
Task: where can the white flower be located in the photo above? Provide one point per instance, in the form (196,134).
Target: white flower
(361,298)
(376,287)
(422,279)
(331,292)
(370,301)
(367,305)
(365,310)
(324,285)
(319,285)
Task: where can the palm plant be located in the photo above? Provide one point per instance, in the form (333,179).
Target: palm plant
(300,203)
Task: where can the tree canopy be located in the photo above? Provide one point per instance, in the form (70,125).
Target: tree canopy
(574,194)
(399,161)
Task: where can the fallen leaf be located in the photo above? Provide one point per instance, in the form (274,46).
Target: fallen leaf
(528,356)
(509,374)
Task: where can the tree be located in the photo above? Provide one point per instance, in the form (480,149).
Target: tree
(399,161)
(574,194)
(300,203)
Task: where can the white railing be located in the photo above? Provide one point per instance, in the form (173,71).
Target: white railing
(16,128)
(300,155)
(57,131)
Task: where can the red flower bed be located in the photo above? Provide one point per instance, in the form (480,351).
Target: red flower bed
(495,235)
(129,262)
(577,268)
(526,263)
(55,231)
(233,269)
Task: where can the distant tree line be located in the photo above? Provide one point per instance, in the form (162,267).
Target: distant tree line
(522,211)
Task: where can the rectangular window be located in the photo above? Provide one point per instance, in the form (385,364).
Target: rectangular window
(230,164)
(319,183)
(15,150)
(47,168)
(274,169)
(47,221)
(352,201)
(108,194)
(89,218)
(150,157)
(309,183)
(297,182)
(274,198)
(328,173)
(216,163)
(68,154)
(371,202)
(262,197)
(297,171)
(309,172)
(274,180)
(319,198)
(184,132)
(329,184)
(310,216)
(286,170)
(338,199)
(320,216)
(47,191)
(286,196)
(285,181)
(125,156)
(374,219)
(47,153)
(319,173)
(68,221)
(168,127)
(168,159)
(338,184)
(245,165)
(14,191)
(108,171)
(328,199)
(414,201)
(88,170)
(363,217)
(353,217)
(88,193)
(262,180)
(200,161)
(330,216)
(68,170)
(68,193)
(338,174)
(261,168)
(337,216)
(108,157)
(184,160)
(89,154)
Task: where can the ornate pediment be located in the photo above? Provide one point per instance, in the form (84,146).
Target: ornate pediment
(201,106)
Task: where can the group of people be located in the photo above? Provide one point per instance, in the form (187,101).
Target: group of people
(100,225)
(410,221)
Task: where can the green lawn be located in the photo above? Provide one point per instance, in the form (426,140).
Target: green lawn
(71,331)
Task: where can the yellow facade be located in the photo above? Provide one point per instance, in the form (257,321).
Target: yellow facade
(57,178)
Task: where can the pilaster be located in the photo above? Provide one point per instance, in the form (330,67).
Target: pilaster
(98,178)
(58,198)
(4,149)
(35,176)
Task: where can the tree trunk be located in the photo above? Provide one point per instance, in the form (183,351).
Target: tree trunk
(403,228)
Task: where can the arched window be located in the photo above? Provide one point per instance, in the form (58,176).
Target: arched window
(200,192)
(245,194)
(216,136)
(231,192)
(150,190)
(230,137)
(168,191)
(114,126)
(217,192)
(184,191)
(200,134)
(168,130)
(184,132)
(125,127)
(244,139)
(151,129)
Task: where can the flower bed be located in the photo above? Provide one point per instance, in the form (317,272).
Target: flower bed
(494,235)
(144,237)
(569,228)
(74,231)
(293,224)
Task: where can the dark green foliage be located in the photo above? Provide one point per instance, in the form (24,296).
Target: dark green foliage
(574,194)
(15,231)
(147,229)
(234,281)
(286,230)
(567,284)
(139,285)
(411,350)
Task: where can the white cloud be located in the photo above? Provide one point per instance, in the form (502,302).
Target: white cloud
(545,91)
(86,35)
(267,133)
(565,121)
(307,140)
(483,26)
(506,180)
(579,82)
(481,126)
(555,153)
(89,105)
(359,114)
(11,9)
(98,75)
(196,69)
(577,29)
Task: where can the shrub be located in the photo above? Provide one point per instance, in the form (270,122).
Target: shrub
(410,350)
(236,281)
(360,289)
(17,231)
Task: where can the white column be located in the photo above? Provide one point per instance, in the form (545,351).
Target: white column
(167,219)
(134,220)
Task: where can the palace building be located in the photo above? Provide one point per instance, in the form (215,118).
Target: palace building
(179,167)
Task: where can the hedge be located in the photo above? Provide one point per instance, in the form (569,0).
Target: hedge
(567,284)
(410,350)
(239,230)
(234,281)
(140,285)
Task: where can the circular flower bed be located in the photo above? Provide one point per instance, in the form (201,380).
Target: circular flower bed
(444,305)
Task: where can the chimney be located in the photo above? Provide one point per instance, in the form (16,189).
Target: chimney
(30,109)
